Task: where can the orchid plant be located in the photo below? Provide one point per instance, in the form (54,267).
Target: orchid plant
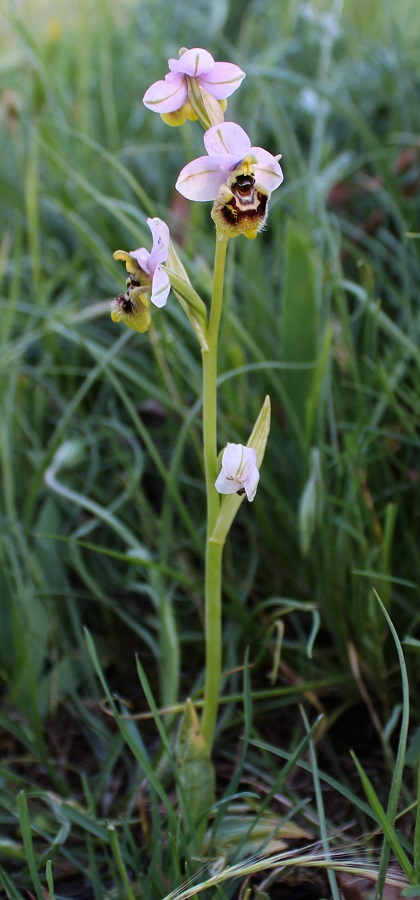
(239,178)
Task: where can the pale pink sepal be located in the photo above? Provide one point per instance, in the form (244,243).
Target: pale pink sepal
(268,173)
(223,80)
(142,257)
(201,179)
(161,238)
(168,95)
(227,139)
(193,62)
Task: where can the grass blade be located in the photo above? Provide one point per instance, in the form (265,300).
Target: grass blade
(25,825)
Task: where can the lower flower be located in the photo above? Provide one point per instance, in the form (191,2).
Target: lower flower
(239,473)
(145,275)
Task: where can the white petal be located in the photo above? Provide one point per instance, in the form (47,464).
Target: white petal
(238,461)
(226,485)
(251,483)
(160,287)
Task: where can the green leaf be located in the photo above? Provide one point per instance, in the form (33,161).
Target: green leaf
(25,825)
(310,504)
(196,773)
(383,820)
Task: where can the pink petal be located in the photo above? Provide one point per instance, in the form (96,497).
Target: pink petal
(160,249)
(268,173)
(228,138)
(162,230)
(201,179)
(142,256)
(160,287)
(168,95)
(193,62)
(223,80)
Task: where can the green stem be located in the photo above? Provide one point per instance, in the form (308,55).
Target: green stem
(214,551)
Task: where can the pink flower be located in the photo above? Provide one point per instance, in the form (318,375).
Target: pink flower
(146,267)
(238,177)
(228,147)
(239,471)
(219,79)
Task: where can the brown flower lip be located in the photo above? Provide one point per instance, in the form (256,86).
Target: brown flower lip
(241,207)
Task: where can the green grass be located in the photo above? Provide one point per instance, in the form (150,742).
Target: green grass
(102,514)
